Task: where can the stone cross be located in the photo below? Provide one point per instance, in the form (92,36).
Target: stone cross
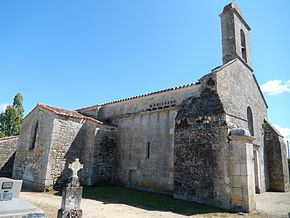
(72,194)
(75,166)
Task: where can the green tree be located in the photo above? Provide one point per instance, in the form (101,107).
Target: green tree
(10,120)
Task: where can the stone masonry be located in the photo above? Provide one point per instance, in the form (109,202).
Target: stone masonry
(8,147)
(209,141)
(276,159)
(51,138)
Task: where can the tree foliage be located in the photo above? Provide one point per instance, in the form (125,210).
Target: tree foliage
(10,119)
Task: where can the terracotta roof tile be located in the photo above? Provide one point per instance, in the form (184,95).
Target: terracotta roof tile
(9,137)
(138,96)
(68,113)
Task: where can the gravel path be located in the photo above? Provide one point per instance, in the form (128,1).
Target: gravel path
(270,203)
(92,208)
(276,204)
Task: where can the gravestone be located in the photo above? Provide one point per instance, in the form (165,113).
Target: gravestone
(11,186)
(11,206)
(72,194)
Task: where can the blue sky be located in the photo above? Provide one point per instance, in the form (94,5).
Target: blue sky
(74,54)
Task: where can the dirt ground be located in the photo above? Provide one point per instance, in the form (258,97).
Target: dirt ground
(268,205)
(275,204)
(92,208)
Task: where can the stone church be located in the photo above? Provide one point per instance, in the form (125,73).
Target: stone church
(208,142)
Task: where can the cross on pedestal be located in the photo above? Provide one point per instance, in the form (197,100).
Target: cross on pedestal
(72,194)
(75,166)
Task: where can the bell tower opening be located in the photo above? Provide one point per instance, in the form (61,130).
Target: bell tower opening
(243,45)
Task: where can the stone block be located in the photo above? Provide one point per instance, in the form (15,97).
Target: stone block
(72,199)
(244,170)
(236,169)
(240,132)
(237,194)
(237,203)
(238,181)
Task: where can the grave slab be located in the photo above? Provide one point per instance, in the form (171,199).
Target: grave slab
(19,208)
(11,206)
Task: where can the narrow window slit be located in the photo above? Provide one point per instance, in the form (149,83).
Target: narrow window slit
(148,150)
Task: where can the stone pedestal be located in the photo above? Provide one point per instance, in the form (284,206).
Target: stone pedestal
(71,200)
(242,179)
(72,195)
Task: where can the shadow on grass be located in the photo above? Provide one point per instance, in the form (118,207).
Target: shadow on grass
(148,201)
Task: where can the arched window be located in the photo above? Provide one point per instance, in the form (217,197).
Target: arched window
(250,121)
(243,45)
(33,136)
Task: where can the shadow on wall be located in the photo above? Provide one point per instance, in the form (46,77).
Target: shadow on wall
(289,166)
(76,150)
(276,160)
(96,150)
(6,170)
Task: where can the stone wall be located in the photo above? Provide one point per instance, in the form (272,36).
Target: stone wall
(153,102)
(149,119)
(75,138)
(8,147)
(145,151)
(33,148)
(48,142)
(276,160)
(67,143)
(242,178)
(201,171)
(238,90)
(104,157)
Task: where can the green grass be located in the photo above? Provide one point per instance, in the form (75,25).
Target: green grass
(150,201)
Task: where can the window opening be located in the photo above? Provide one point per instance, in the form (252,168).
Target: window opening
(34,134)
(148,150)
(250,121)
(243,46)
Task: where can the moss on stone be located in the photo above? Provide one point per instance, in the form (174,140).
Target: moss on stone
(107,143)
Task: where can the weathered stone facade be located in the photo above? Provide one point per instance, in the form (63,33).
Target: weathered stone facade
(276,159)
(8,147)
(205,142)
(149,119)
(50,139)
(201,149)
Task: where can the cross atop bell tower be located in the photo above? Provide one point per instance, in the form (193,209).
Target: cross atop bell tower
(235,35)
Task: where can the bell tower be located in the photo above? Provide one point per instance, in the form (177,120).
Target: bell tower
(235,35)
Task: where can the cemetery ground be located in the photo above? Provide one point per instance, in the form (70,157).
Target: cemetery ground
(117,202)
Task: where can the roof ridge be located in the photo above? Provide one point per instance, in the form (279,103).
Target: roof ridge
(138,96)
(65,112)
(46,106)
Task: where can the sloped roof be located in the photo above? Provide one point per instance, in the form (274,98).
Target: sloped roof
(68,113)
(254,77)
(274,128)
(9,137)
(138,96)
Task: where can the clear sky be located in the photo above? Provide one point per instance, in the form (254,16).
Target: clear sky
(73,53)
